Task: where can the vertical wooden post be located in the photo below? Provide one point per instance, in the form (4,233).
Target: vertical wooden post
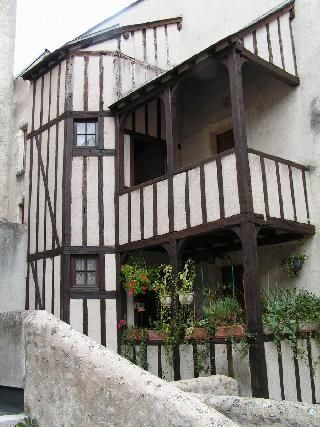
(248,234)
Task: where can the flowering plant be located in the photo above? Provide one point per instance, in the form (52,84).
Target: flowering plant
(121,324)
(186,277)
(136,277)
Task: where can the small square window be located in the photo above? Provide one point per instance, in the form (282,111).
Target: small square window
(85,133)
(85,271)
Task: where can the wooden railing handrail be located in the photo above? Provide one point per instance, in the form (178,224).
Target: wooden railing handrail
(278,159)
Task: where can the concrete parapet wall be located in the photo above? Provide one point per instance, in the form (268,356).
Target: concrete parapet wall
(70,380)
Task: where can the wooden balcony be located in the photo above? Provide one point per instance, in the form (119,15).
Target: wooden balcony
(205,196)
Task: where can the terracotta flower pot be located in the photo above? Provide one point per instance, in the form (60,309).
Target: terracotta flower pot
(135,334)
(309,327)
(155,335)
(199,334)
(229,331)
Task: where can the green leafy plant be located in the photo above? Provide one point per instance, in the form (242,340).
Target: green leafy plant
(165,282)
(136,353)
(293,264)
(137,277)
(243,344)
(28,422)
(186,277)
(223,312)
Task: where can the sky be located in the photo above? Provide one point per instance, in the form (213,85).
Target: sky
(49,24)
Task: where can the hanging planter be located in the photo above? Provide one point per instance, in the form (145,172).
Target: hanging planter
(166,300)
(186,299)
(293,264)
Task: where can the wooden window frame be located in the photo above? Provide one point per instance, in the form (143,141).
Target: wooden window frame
(86,287)
(86,120)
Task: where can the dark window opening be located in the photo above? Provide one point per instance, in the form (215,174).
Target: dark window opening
(85,271)
(225,141)
(86,133)
(11,400)
(149,160)
(232,275)
(145,310)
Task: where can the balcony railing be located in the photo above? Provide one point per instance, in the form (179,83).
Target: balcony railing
(207,192)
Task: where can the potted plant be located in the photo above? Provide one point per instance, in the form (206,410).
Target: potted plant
(197,331)
(165,284)
(186,279)
(137,277)
(224,318)
(292,264)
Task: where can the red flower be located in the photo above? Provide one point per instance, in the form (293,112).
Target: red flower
(144,277)
(121,323)
(145,288)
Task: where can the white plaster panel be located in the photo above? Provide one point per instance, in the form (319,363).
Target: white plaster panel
(304,373)
(150,45)
(46,90)
(33,204)
(179,184)
(123,219)
(108,200)
(51,179)
(230,185)
(59,180)
(57,266)
(54,85)
(275,43)
(195,197)
(286,192)
(162,207)
(108,45)
(62,87)
(272,371)
(92,202)
(109,133)
(76,201)
(126,159)
(148,211)
(94,320)
(174,40)
(48,284)
(137,44)
(135,216)
(108,80)
(299,195)
(262,43)
(315,352)
(286,42)
(242,373)
(126,76)
(248,42)
(257,185)
(289,382)
(37,106)
(111,324)
(152,359)
(26,182)
(31,291)
(166,362)
(93,83)
(42,205)
(221,359)
(186,361)
(140,75)
(127,45)
(76,314)
(309,195)
(212,191)
(162,48)
(272,188)
(110,272)
(78,82)
(39,271)
(206,362)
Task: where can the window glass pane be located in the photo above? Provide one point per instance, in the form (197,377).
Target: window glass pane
(80,278)
(80,263)
(91,279)
(91,264)
(81,140)
(91,140)
(81,128)
(91,128)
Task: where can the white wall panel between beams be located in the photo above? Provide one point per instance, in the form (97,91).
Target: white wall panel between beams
(92,202)
(108,200)
(111,324)
(195,197)
(262,43)
(286,192)
(135,216)
(62,97)
(54,98)
(179,185)
(108,80)
(37,106)
(60,178)
(110,272)
(272,371)
(289,381)
(257,185)
(109,132)
(93,83)
(46,89)
(272,187)
(57,280)
(48,284)
(33,205)
(286,42)
(212,191)
(148,211)
(123,219)
(76,314)
(186,361)
(299,195)
(78,83)
(230,185)
(94,321)
(162,207)
(76,201)
(275,43)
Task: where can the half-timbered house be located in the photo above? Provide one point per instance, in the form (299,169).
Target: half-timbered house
(171,134)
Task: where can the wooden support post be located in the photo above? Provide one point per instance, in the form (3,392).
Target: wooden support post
(257,358)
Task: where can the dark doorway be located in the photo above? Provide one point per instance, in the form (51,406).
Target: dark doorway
(225,141)
(232,275)
(149,159)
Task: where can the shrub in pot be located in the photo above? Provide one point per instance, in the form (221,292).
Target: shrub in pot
(186,279)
